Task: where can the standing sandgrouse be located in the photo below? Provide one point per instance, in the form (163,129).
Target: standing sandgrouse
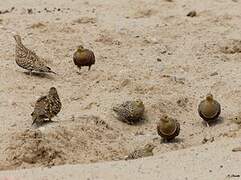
(46,107)
(28,59)
(168,128)
(83,57)
(209,109)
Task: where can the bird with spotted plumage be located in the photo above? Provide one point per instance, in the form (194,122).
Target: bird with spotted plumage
(28,59)
(130,112)
(146,151)
(46,107)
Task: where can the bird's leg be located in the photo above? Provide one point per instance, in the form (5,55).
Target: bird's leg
(89,67)
(164,141)
(79,70)
(207,124)
(30,72)
(49,117)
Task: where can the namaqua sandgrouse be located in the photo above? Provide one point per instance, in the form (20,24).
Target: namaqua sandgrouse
(146,151)
(168,128)
(83,57)
(130,112)
(28,59)
(46,107)
(209,109)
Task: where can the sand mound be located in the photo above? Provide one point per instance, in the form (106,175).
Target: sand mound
(73,142)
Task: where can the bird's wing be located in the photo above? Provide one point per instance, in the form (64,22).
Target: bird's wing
(128,107)
(41,106)
(33,57)
(53,106)
(41,98)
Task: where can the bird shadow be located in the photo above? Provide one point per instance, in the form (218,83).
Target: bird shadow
(143,120)
(215,122)
(42,124)
(39,75)
(175,140)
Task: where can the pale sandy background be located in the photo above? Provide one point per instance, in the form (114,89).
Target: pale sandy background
(145,49)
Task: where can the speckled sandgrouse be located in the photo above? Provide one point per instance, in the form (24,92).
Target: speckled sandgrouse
(130,112)
(28,59)
(46,107)
(143,152)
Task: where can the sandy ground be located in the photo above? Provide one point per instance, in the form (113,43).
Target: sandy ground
(145,49)
(210,161)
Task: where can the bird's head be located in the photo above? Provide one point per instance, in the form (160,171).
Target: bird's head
(139,103)
(149,147)
(209,97)
(53,91)
(165,118)
(17,38)
(80,48)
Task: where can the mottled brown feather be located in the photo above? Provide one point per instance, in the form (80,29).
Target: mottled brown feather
(27,59)
(146,151)
(130,112)
(47,107)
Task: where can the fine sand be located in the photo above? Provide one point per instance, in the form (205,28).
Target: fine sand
(145,49)
(212,161)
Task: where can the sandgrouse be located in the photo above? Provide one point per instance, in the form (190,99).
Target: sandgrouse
(168,128)
(28,59)
(130,112)
(209,109)
(46,107)
(146,151)
(83,57)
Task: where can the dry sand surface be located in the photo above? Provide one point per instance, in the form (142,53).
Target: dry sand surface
(210,162)
(146,49)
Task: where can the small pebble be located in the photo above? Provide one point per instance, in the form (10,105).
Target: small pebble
(192,14)
(14,125)
(30,11)
(214,74)
(233,175)
(159,59)
(180,80)
(237,149)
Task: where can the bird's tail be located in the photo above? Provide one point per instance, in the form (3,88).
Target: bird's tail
(47,70)
(52,72)
(34,117)
(115,109)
